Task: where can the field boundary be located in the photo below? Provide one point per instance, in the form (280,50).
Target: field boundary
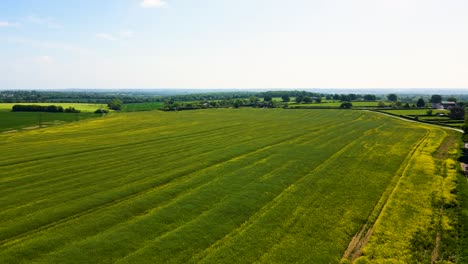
(414,121)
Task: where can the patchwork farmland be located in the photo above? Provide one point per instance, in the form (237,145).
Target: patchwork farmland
(224,186)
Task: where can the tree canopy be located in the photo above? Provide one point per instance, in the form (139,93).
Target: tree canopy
(436,99)
(392,97)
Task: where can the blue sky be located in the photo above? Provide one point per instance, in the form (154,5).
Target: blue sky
(233,44)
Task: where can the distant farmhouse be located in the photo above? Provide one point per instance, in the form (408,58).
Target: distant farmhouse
(444,105)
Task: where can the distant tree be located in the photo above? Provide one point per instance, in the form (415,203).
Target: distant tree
(452,99)
(392,97)
(285,98)
(253,100)
(370,97)
(381,104)
(345,98)
(101,111)
(237,103)
(299,99)
(318,100)
(429,112)
(267,98)
(352,97)
(406,106)
(436,99)
(398,104)
(346,105)
(457,113)
(307,100)
(115,104)
(420,103)
(336,97)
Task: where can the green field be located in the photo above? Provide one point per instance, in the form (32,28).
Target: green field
(78,106)
(415,112)
(433,119)
(14,121)
(219,186)
(336,104)
(134,107)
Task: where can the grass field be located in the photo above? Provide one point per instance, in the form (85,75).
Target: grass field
(210,186)
(142,106)
(78,106)
(12,121)
(415,112)
(336,104)
(433,119)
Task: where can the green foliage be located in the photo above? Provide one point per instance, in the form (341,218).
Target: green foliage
(370,97)
(420,103)
(115,104)
(346,105)
(457,113)
(436,99)
(392,97)
(101,111)
(307,99)
(285,98)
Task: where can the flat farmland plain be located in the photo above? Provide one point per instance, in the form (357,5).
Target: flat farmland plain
(209,186)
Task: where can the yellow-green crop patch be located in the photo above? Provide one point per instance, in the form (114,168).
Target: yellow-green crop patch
(78,106)
(208,186)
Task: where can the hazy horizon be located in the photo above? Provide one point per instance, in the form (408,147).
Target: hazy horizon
(172,44)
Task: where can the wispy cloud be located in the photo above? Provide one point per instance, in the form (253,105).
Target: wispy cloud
(7,24)
(106,36)
(49,22)
(153,3)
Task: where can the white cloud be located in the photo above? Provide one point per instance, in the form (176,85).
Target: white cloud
(105,36)
(49,22)
(153,3)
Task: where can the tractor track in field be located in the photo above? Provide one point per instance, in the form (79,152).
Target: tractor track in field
(18,237)
(360,240)
(273,203)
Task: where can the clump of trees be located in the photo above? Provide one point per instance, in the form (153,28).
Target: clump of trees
(420,103)
(115,104)
(101,111)
(346,105)
(436,99)
(40,108)
(457,113)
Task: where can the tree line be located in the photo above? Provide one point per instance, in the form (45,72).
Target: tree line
(40,108)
